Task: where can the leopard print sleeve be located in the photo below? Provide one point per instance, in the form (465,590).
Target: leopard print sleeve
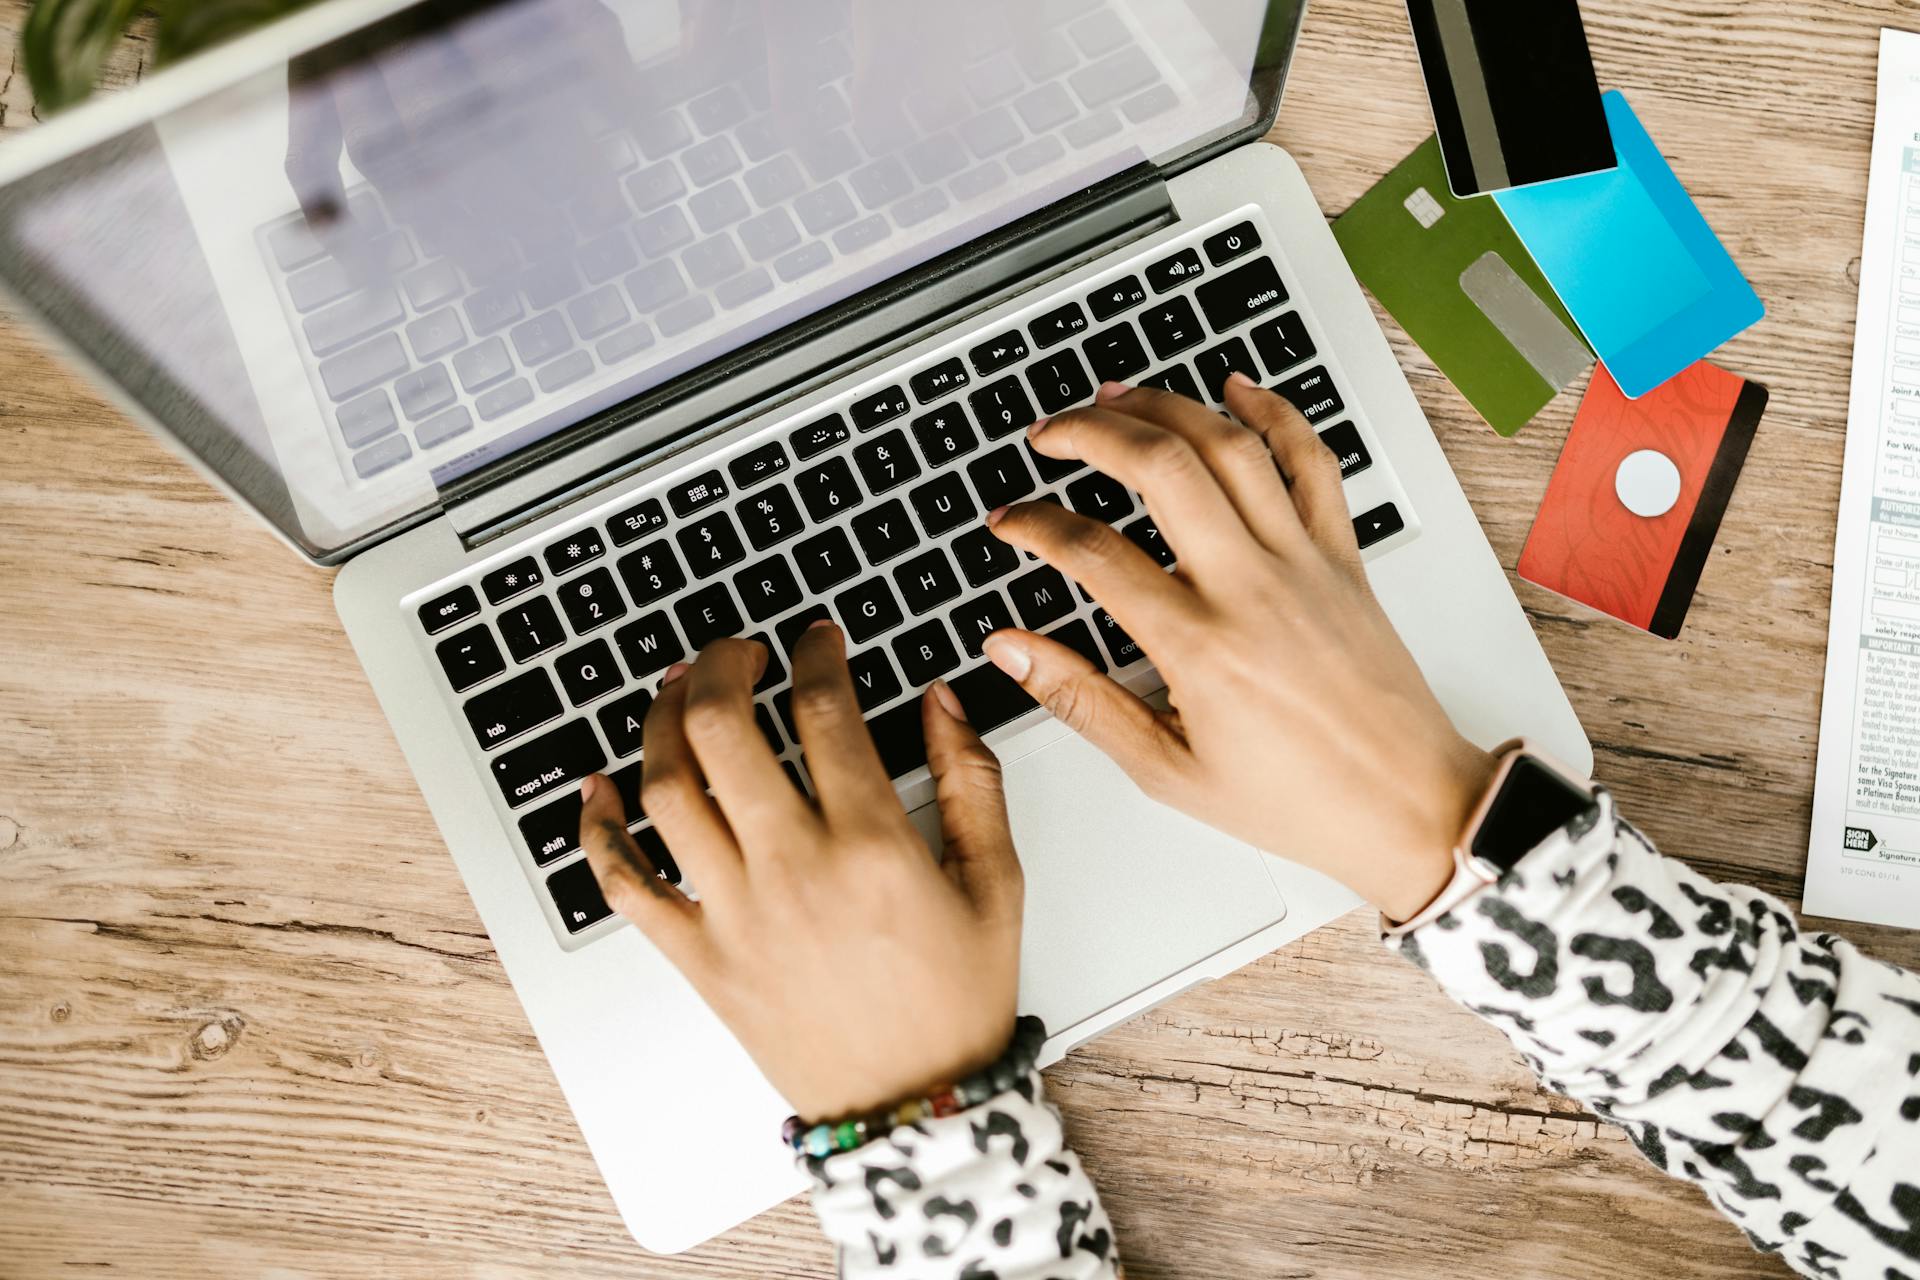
(990,1193)
(1778,1069)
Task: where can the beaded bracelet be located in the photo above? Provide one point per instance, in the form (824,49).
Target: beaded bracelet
(822,1140)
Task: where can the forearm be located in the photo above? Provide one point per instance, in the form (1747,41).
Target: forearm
(1777,1069)
(992,1190)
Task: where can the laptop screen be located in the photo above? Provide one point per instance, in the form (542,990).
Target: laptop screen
(345,275)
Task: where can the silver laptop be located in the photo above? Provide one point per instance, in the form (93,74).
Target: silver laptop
(581,334)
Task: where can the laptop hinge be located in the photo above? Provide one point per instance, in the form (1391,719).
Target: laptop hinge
(682,414)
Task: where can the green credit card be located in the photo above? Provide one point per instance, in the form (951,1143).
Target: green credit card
(1459,281)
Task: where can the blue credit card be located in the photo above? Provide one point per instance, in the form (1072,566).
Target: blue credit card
(1637,266)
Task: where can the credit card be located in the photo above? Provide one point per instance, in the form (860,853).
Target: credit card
(1637,496)
(1641,272)
(1513,91)
(1461,284)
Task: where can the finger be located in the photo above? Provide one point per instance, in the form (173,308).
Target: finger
(1236,454)
(752,792)
(1122,577)
(631,884)
(313,145)
(673,793)
(1182,493)
(1311,470)
(1139,739)
(979,857)
(850,782)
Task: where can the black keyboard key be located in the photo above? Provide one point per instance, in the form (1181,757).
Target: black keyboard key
(874,681)
(449,610)
(1378,524)
(654,849)
(553,830)
(510,709)
(697,494)
(1171,327)
(774,672)
(1123,647)
(898,736)
(652,572)
(943,379)
(1001,478)
(591,601)
(1283,343)
(711,545)
(1055,327)
(882,406)
(792,627)
(708,615)
(1313,394)
(927,581)
(624,721)
(1145,534)
(548,763)
(886,461)
(925,654)
(768,588)
(991,697)
(884,532)
(764,719)
(469,657)
(826,560)
(531,629)
(637,522)
(1217,364)
(1115,354)
(574,550)
(996,354)
(945,434)
(576,896)
(1042,597)
(984,558)
(649,645)
(1110,300)
(943,504)
(755,465)
(588,672)
(1077,636)
(1344,439)
(1060,381)
(828,489)
(770,517)
(1176,379)
(1101,496)
(1241,294)
(868,610)
(1051,469)
(1224,246)
(817,437)
(508,581)
(1171,273)
(1002,408)
(979,618)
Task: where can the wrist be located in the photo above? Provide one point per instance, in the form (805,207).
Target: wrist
(1427,866)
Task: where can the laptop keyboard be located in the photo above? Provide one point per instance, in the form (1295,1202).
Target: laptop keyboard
(868,511)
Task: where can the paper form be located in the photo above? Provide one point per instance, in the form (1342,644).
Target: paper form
(1863,856)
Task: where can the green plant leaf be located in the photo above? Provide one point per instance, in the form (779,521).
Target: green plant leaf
(65,42)
(188,26)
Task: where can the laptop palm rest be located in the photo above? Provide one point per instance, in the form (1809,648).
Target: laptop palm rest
(1122,892)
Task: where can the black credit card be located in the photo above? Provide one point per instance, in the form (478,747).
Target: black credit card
(1514,96)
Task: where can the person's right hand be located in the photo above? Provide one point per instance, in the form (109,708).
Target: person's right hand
(1301,723)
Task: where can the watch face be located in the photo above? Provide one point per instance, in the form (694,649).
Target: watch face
(1533,802)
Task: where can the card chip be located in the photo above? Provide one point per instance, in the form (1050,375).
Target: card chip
(1424,208)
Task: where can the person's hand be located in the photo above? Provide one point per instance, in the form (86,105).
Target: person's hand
(1300,722)
(855,969)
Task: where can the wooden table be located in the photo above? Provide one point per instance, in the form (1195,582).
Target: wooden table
(250,1025)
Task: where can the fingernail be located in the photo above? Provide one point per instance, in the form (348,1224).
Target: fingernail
(1239,379)
(949,701)
(1109,390)
(589,785)
(674,672)
(817,623)
(994,516)
(1038,427)
(1009,655)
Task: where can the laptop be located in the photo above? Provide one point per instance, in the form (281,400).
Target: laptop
(579,334)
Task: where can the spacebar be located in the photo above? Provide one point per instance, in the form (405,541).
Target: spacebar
(991,700)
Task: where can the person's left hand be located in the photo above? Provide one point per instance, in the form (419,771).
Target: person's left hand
(855,969)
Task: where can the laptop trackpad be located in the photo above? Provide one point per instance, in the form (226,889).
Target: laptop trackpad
(1122,892)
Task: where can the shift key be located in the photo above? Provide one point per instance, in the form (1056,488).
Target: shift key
(558,759)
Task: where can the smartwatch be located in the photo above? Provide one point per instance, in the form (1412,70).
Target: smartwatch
(1528,800)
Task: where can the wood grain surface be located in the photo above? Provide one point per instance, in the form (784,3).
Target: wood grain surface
(250,1025)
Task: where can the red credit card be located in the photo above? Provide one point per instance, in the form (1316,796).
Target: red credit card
(1636,499)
